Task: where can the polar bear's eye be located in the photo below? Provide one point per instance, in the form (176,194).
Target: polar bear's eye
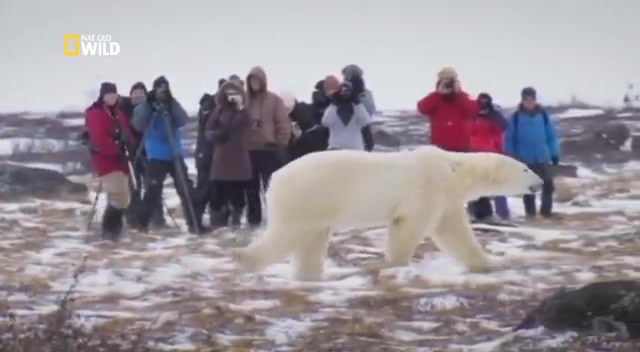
(526,169)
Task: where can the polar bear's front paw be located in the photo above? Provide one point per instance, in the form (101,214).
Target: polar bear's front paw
(246,262)
(480,269)
(308,276)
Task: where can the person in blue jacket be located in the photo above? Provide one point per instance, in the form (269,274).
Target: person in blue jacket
(149,118)
(531,138)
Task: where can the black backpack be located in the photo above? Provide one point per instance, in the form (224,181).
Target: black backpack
(515,118)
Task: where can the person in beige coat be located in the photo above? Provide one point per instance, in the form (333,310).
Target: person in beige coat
(268,139)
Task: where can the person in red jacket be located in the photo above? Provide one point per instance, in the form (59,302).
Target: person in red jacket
(486,135)
(450,112)
(108,132)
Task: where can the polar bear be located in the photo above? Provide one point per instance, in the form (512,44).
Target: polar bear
(416,193)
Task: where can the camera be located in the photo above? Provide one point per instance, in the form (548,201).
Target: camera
(235,98)
(449,84)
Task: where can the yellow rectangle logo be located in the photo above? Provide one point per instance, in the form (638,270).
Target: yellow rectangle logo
(75,46)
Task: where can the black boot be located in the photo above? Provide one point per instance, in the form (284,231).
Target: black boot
(236,216)
(199,229)
(219,218)
(133,210)
(112,223)
(529,201)
(158,221)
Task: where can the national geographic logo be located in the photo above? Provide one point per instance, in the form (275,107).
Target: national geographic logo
(89,45)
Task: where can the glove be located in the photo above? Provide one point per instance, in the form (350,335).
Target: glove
(554,160)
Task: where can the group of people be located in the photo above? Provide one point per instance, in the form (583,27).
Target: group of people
(245,133)
(462,124)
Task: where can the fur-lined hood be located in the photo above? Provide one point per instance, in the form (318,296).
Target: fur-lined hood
(222,99)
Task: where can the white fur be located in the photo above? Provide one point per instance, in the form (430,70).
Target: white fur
(417,194)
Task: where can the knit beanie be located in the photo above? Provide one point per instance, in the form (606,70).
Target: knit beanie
(107,88)
(352,70)
(160,81)
(528,92)
(485,97)
(138,85)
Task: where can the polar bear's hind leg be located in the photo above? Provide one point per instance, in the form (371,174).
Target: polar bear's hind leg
(405,234)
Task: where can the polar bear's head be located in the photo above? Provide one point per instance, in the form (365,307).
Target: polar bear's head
(491,174)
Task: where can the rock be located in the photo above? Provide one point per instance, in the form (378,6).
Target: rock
(635,145)
(614,134)
(386,139)
(597,308)
(20,181)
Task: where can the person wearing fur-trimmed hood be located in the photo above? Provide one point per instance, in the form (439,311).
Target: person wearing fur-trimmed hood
(228,128)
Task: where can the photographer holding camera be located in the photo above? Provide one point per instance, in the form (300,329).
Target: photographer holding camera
(450,112)
(348,121)
(160,117)
(228,128)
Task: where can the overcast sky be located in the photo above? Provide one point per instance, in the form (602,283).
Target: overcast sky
(588,48)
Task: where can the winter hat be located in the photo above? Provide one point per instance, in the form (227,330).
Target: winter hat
(205,99)
(289,99)
(136,86)
(352,70)
(485,97)
(447,73)
(528,92)
(160,81)
(346,85)
(106,88)
(330,84)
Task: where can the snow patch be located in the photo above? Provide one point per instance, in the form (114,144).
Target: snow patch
(14,145)
(579,113)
